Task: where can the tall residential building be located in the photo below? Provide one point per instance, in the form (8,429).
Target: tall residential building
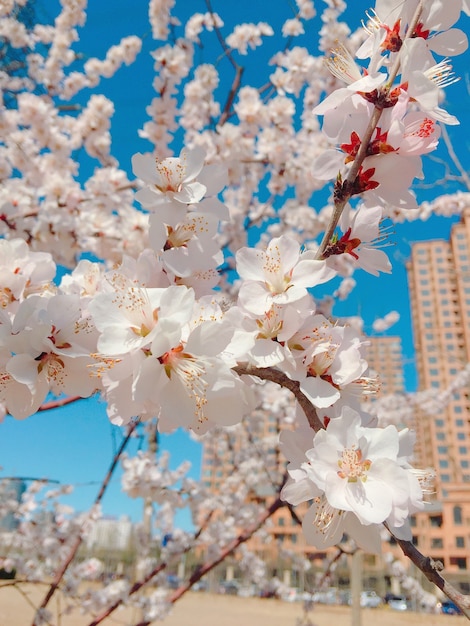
(439,284)
(384,357)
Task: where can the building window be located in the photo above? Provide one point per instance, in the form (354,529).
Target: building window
(461,436)
(436,542)
(440,423)
(464,464)
(440,436)
(443,463)
(460,542)
(457,515)
(459,561)
(462,449)
(442,449)
(445,478)
(436,520)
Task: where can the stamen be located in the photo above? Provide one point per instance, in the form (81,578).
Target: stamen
(342,65)
(441,74)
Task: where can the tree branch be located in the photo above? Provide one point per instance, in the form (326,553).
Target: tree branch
(278,377)
(431,569)
(76,544)
(235,543)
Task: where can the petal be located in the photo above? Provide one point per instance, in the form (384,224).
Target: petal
(449,42)
(143,166)
(193,160)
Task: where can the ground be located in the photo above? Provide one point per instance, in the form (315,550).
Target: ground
(204,609)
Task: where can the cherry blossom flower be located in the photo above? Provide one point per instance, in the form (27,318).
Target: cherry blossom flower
(172,180)
(50,346)
(423,79)
(388,21)
(325,359)
(360,240)
(279,275)
(127,315)
(351,469)
(248,35)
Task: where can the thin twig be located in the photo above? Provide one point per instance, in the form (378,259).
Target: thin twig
(76,544)
(339,204)
(431,569)
(465,178)
(235,543)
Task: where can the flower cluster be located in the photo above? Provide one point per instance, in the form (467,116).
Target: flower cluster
(184,313)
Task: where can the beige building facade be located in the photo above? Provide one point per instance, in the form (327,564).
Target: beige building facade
(439,285)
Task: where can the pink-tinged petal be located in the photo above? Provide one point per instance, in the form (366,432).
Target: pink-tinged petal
(366,536)
(328,164)
(282,254)
(214,207)
(254,298)
(370,501)
(144,167)
(423,90)
(449,43)
(266,353)
(332,101)
(193,161)
(320,392)
(190,193)
(250,264)
(308,273)
(148,380)
(209,338)
(441,15)
(299,491)
(293,444)
(374,261)
(22,403)
(369,82)
(382,442)
(149,197)
(24,369)
(214,177)
(158,232)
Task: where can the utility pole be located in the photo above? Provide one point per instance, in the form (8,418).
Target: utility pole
(356,587)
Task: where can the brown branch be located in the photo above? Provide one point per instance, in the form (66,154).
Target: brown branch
(431,569)
(141,583)
(339,204)
(278,377)
(76,544)
(235,543)
(57,404)
(238,69)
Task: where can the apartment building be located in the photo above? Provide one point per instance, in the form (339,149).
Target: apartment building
(439,285)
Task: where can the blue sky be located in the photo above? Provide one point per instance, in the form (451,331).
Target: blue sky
(75,444)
